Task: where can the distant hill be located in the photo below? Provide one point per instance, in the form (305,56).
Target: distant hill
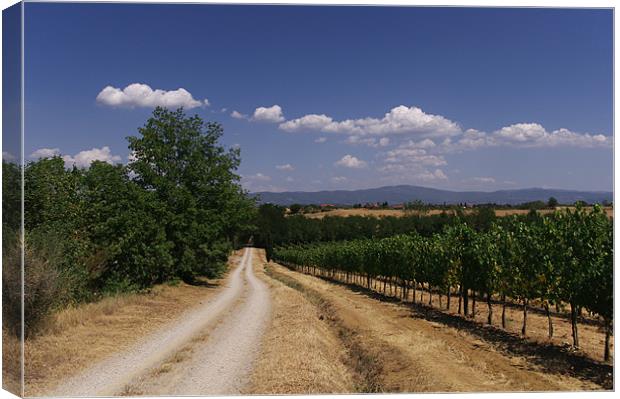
(406,193)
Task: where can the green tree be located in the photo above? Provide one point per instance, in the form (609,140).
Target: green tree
(295,208)
(180,160)
(552,202)
(52,195)
(123,224)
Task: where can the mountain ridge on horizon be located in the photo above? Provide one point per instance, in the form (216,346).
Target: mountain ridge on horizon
(405,193)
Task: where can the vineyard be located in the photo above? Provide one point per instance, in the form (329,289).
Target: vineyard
(562,260)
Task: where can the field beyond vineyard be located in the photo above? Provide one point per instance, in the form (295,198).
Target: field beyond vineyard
(345,212)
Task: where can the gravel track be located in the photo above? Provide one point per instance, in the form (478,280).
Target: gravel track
(238,316)
(222,364)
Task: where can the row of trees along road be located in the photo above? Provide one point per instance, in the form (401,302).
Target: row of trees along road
(564,258)
(173,212)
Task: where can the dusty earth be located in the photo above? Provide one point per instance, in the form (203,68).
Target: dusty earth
(208,350)
(301,352)
(265,329)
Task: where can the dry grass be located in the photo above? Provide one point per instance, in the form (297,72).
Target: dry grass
(591,333)
(400,213)
(420,354)
(79,336)
(356,212)
(300,353)
(11,364)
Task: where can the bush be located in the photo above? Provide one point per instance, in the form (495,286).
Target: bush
(41,288)
(11,288)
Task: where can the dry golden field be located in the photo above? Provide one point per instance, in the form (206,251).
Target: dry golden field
(399,213)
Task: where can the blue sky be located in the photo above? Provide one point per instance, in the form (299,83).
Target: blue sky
(335,97)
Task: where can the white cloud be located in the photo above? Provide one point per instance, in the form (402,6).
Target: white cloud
(424,144)
(259,182)
(238,115)
(83,159)
(404,155)
(320,140)
(338,179)
(349,161)
(413,122)
(45,153)
(534,135)
(398,120)
(7,156)
(307,122)
(286,166)
(369,141)
(268,114)
(521,132)
(471,139)
(522,135)
(142,95)
(482,180)
(289,179)
(257,177)
(410,163)
(438,174)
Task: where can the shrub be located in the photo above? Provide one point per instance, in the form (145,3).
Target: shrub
(40,285)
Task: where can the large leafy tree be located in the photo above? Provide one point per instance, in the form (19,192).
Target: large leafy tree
(180,160)
(52,195)
(124,227)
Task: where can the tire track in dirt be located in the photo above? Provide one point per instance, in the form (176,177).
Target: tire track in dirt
(113,375)
(364,364)
(221,363)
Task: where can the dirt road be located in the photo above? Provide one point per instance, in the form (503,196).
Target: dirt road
(209,350)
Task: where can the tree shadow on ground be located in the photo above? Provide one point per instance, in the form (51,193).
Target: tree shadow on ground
(552,358)
(201,282)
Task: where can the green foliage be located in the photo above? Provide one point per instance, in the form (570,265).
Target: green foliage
(174,212)
(124,225)
(11,198)
(192,177)
(566,257)
(274,229)
(295,208)
(416,205)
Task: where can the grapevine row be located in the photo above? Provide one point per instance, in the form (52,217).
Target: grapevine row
(564,258)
